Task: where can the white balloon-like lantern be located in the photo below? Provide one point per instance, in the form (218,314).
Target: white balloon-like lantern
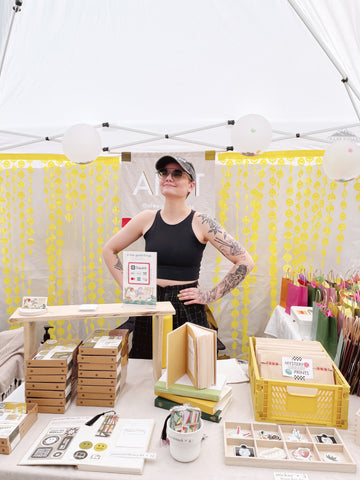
(81,143)
(251,134)
(341,161)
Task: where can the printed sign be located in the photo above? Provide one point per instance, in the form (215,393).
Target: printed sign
(140,273)
(297,367)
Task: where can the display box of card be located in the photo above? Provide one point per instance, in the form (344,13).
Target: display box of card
(54,362)
(101,391)
(50,375)
(94,370)
(56,354)
(15,420)
(51,401)
(103,399)
(105,343)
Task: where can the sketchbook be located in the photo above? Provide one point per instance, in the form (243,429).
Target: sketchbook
(191,350)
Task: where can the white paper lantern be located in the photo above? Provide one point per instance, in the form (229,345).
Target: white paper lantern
(341,161)
(251,134)
(81,143)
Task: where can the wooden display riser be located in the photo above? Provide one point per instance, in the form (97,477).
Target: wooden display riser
(106,310)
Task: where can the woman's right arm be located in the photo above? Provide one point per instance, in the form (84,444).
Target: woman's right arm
(122,239)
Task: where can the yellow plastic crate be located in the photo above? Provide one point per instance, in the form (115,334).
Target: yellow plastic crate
(279,401)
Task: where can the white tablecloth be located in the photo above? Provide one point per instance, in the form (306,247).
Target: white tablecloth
(136,401)
(282,325)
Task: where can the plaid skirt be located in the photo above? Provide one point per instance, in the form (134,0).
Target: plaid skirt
(142,333)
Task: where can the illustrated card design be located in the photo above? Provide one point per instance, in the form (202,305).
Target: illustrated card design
(139,281)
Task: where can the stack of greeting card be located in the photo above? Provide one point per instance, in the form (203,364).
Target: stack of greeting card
(50,375)
(294,360)
(102,363)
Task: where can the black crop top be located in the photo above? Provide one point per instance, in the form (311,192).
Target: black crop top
(179,252)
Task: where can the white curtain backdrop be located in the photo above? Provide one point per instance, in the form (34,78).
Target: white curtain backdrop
(165,66)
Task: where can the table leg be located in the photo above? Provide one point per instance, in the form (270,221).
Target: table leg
(158,321)
(29,339)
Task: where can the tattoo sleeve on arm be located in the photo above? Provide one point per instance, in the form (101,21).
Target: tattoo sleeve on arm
(231,280)
(118,264)
(229,247)
(226,245)
(213,225)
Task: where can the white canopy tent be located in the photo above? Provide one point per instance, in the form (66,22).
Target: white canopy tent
(153,70)
(172,76)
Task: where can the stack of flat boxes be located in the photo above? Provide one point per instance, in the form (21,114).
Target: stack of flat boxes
(50,376)
(102,366)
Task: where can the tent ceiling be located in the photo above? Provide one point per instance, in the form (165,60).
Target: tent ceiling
(164,67)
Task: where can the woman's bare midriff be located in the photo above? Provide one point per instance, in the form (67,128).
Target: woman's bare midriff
(168,283)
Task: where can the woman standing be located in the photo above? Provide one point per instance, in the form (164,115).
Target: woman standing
(179,236)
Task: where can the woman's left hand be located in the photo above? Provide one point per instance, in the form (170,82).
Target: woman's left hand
(194,295)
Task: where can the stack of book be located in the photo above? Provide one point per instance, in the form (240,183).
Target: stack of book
(212,401)
(50,375)
(191,373)
(102,365)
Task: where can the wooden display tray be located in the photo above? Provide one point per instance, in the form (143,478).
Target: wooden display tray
(252,440)
(54,362)
(53,409)
(48,385)
(98,373)
(48,378)
(96,389)
(47,370)
(87,348)
(93,366)
(94,359)
(56,394)
(95,402)
(7,444)
(43,401)
(95,382)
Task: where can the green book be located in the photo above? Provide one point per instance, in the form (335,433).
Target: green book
(185,388)
(167,404)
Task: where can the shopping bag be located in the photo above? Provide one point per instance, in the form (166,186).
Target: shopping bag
(329,293)
(316,308)
(326,331)
(297,296)
(314,292)
(283,292)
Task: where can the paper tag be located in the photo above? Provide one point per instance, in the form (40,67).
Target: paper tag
(88,307)
(297,367)
(290,476)
(146,455)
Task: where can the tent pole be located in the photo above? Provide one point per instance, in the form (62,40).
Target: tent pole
(352,99)
(16,8)
(324,47)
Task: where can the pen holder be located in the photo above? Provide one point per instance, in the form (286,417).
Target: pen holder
(185,447)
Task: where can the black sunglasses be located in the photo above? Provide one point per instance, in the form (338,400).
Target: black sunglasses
(175,173)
